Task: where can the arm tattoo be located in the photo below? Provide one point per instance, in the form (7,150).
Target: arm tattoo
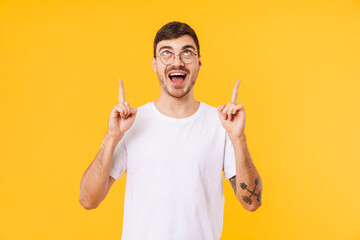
(247,199)
(233,183)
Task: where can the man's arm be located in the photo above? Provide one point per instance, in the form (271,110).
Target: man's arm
(246,183)
(96,182)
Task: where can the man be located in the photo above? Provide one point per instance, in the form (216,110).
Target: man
(173,151)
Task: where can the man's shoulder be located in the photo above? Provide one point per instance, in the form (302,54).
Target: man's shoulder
(208,106)
(143,108)
(145,112)
(209,109)
(210,114)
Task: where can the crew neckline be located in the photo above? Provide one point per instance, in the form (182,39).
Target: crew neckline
(165,117)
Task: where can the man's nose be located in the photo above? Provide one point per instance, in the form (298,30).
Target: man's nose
(178,61)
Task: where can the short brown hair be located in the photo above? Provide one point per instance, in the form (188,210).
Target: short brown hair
(174,30)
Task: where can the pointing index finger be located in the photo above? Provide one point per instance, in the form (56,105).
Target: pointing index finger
(121,91)
(235,92)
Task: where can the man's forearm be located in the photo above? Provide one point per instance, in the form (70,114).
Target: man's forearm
(248,182)
(94,183)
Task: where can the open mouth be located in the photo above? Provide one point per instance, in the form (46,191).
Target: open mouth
(177,77)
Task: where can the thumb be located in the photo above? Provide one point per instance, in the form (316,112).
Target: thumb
(220,108)
(133,110)
(221,114)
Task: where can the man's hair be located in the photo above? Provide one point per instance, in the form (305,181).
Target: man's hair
(174,30)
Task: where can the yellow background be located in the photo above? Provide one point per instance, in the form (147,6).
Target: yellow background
(299,66)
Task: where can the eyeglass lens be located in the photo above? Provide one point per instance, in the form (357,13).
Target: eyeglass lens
(169,57)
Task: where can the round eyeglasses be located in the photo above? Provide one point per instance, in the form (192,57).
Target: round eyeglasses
(168,57)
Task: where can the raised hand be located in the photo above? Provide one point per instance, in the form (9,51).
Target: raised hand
(122,116)
(232,116)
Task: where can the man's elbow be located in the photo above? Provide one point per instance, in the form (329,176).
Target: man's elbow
(253,208)
(88,205)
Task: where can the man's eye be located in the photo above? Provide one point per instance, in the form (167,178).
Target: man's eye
(187,53)
(166,53)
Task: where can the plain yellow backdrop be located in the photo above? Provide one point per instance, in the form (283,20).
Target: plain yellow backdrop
(299,66)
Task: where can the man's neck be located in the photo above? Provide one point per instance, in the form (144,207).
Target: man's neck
(177,107)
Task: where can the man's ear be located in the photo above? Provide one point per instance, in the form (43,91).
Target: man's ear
(154,64)
(200,62)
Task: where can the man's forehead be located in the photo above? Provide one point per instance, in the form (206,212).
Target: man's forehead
(180,43)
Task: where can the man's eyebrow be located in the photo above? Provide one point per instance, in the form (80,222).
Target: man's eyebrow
(188,46)
(163,47)
(184,47)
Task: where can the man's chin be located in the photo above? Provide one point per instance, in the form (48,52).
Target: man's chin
(178,93)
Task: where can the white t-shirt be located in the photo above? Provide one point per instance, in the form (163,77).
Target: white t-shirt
(174,188)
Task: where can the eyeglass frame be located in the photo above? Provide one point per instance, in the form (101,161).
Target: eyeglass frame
(175,55)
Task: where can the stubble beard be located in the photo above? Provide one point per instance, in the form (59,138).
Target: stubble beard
(176,94)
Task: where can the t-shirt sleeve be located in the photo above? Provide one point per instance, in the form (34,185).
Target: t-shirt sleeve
(119,160)
(229,159)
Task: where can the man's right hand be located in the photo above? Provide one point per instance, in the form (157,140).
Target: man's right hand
(122,116)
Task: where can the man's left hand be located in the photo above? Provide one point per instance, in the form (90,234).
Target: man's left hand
(232,116)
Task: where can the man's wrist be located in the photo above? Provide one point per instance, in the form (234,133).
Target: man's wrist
(238,139)
(112,139)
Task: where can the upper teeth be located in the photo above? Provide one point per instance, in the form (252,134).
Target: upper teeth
(177,74)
